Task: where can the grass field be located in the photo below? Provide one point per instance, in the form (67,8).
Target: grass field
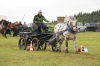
(51,25)
(10,55)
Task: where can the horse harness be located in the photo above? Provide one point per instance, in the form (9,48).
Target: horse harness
(71,30)
(68,29)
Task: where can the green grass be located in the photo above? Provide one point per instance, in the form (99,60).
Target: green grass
(10,55)
(51,25)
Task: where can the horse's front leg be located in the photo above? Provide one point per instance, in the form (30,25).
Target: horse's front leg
(5,34)
(75,48)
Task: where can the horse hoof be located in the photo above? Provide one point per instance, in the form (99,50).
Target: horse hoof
(58,50)
(66,50)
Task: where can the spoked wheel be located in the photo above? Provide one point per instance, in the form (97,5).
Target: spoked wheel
(55,47)
(35,43)
(42,45)
(55,44)
(22,43)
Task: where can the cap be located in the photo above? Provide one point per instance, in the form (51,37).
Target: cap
(39,11)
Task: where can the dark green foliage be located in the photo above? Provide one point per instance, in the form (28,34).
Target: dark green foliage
(88,17)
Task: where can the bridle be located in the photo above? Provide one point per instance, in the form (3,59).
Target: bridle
(70,27)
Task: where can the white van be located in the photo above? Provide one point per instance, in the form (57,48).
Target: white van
(81,27)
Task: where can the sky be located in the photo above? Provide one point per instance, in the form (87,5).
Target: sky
(16,9)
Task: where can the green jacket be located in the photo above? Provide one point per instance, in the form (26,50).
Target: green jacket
(39,19)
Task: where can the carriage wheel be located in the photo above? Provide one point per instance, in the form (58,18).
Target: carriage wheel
(22,43)
(42,45)
(55,47)
(35,43)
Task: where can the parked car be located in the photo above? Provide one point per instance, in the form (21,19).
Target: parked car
(93,27)
(81,27)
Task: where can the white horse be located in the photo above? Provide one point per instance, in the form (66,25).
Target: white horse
(68,31)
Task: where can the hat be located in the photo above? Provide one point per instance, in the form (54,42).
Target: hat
(39,11)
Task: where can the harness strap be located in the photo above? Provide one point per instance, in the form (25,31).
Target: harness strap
(68,29)
(71,30)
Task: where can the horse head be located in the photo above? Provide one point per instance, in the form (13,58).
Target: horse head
(72,22)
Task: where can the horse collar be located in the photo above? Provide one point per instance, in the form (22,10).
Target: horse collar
(71,30)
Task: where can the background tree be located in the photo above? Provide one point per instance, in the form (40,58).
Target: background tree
(88,17)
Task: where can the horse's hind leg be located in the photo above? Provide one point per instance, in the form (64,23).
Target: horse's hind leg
(66,46)
(60,44)
(5,35)
(5,32)
(2,34)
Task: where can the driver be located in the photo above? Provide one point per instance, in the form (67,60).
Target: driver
(38,20)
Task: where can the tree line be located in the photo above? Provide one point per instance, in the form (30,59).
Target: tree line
(88,17)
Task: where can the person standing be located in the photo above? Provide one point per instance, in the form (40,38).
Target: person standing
(24,23)
(8,31)
(98,26)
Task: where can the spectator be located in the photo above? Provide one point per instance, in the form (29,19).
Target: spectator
(98,26)
(8,31)
(16,23)
(20,23)
(25,23)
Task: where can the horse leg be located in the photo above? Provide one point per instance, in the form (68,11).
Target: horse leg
(66,46)
(10,32)
(13,33)
(2,34)
(60,44)
(75,49)
(59,48)
(5,32)
(5,35)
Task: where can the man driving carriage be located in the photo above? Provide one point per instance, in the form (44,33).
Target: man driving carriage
(38,20)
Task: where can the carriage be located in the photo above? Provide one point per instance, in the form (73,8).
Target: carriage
(67,31)
(39,41)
